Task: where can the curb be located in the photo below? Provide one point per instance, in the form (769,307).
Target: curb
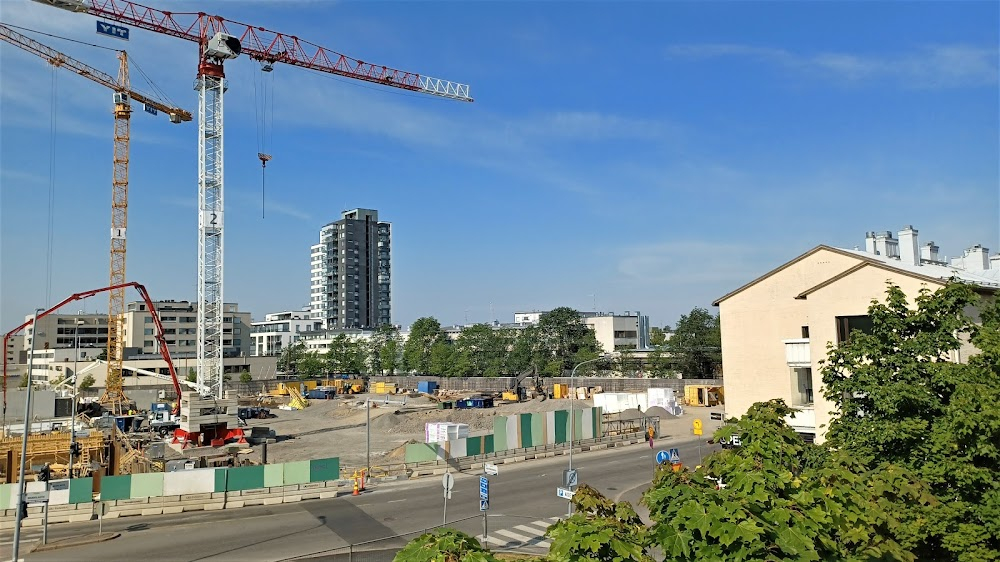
(74,541)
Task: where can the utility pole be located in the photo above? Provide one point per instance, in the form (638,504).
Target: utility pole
(24,440)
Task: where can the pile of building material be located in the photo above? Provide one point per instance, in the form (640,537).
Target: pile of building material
(615,402)
(439,432)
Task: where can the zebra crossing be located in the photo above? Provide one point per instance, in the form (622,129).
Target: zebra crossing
(524,535)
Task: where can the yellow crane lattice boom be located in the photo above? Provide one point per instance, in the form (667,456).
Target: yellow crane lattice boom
(114,395)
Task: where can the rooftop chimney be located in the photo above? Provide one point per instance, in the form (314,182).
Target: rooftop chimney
(929,252)
(909,250)
(977,258)
(870,242)
(885,245)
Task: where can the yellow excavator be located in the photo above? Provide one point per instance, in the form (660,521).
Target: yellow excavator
(518,393)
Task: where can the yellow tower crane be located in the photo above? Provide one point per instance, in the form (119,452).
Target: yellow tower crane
(114,397)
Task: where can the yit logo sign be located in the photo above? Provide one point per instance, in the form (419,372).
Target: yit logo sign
(112,30)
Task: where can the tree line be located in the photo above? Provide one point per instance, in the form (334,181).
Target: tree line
(558,342)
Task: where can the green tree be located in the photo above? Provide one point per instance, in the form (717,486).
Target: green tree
(659,363)
(481,351)
(384,349)
(444,545)
(658,336)
(245,376)
(345,355)
(626,363)
(696,345)
(778,498)
(600,530)
(524,354)
(87,381)
(564,339)
(24,381)
(902,400)
(311,365)
(192,375)
(442,357)
(289,358)
(417,350)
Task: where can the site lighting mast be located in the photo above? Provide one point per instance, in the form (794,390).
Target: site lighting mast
(220,40)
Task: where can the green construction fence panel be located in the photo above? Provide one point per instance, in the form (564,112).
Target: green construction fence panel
(598,421)
(578,424)
(562,425)
(220,480)
(500,433)
(146,485)
(296,472)
(321,470)
(81,490)
(538,428)
(488,443)
(6,491)
(526,437)
(474,446)
(116,487)
(420,452)
(274,475)
(245,478)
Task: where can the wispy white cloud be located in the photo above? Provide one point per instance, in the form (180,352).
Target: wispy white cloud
(933,66)
(688,262)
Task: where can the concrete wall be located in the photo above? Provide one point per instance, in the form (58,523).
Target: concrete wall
(43,404)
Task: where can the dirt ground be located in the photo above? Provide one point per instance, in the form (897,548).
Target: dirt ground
(337,427)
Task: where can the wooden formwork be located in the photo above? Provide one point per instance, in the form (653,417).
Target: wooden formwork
(50,448)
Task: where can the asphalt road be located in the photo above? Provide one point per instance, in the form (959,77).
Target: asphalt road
(522,503)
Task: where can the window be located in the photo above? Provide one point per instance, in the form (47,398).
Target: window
(802,387)
(805,332)
(147,320)
(147,343)
(848,324)
(148,332)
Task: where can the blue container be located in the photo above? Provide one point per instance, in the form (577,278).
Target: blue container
(427,387)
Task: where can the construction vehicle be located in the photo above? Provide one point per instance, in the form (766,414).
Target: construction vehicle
(114,397)
(518,393)
(163,421)
(219,40)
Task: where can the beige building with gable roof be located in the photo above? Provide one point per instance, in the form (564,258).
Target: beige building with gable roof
(776,328)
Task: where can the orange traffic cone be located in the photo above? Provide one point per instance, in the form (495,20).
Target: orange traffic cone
(356,492)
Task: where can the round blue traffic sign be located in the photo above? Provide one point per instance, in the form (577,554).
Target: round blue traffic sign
(662,457)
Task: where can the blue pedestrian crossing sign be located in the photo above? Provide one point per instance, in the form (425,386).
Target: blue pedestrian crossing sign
(675,456)
(662,457)
(484,505)
(484,488)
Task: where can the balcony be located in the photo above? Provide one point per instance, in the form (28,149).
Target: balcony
(797,352)
(804,420)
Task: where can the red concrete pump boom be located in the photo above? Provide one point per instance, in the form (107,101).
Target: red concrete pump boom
(164,351)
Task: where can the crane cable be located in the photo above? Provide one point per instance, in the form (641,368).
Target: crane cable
(53,129)
(263,109)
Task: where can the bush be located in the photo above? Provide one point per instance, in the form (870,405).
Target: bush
(87,381)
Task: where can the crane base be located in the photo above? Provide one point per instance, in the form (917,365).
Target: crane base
(116,402)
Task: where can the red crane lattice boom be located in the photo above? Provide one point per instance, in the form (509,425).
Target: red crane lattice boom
(262,44)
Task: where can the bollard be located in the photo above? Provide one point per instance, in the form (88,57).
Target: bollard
(363,474)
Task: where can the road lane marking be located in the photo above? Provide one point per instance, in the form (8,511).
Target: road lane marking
(513,535)
(395,501)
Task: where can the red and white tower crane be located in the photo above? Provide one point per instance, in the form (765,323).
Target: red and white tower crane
(220,40)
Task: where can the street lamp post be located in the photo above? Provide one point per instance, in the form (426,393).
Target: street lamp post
(572,413)
(24,438)
(76,380)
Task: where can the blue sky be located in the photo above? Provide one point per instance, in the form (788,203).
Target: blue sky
(636,155)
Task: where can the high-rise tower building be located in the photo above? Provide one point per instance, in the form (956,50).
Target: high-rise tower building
(350,272)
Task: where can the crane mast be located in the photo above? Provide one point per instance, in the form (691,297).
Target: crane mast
(114,395)
(220,40)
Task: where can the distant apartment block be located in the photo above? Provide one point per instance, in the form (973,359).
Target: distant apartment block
(279,330)
(612,331)
(350,272)
(180,329)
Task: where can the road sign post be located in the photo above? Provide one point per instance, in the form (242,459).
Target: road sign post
(484,505)
(491,469)
(662,457)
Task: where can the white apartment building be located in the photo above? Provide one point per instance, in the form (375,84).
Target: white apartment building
(280,330)
(613,331)
(350,274)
